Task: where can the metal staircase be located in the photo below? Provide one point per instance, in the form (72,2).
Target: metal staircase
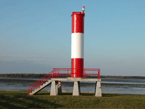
(45,80)
(40,88)
(55,73)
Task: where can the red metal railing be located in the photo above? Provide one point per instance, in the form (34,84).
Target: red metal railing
(55,74)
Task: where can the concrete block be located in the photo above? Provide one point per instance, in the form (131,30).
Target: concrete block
(76,88)
(98,84)
(98,92)
(53,88)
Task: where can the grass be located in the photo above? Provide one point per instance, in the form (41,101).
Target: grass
(20,100)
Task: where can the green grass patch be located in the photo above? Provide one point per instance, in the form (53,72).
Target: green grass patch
(20,99)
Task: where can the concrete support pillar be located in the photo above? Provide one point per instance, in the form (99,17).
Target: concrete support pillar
(98,92)
(55,88)
(76,88)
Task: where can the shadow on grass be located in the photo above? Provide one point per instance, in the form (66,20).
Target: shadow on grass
(109,95)
(24,101)
(48,93)
(87,94)
(92,94)
(42,93)
(65,94)
(81,94)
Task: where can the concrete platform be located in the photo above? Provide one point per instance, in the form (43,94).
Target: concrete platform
(74,79)
(56,89)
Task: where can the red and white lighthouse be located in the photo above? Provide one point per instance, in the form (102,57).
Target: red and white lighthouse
(77,44)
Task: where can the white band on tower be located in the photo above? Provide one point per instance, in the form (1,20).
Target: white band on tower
(77,45)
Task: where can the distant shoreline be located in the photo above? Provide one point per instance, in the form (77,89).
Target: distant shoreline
(64,76)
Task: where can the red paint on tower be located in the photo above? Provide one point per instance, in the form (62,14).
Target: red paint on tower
(77,22)
(77,65)
(77,61)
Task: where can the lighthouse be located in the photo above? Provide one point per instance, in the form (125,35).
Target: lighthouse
(77,43)
(78,72)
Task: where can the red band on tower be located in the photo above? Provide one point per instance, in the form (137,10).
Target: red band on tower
(77,44)
(77,22)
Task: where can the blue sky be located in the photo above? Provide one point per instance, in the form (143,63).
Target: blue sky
(35,35)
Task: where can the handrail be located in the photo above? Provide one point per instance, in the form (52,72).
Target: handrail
(40,82)
(55,74)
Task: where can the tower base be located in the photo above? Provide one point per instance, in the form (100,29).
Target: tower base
(56,87)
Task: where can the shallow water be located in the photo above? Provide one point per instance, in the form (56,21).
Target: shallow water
(121,86)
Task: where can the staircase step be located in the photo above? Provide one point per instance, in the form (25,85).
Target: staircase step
(40,88)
